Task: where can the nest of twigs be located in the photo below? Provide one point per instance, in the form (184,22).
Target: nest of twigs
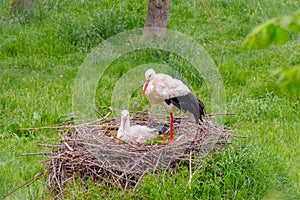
(91,151)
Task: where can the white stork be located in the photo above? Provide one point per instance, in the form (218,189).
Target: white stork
(164,90)
(135,133)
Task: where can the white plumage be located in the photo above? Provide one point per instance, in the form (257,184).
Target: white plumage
(164,90)
(135,133)
(163,86)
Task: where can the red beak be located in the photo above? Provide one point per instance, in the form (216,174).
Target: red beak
(145,87)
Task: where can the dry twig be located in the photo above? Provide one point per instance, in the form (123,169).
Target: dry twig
(90,151)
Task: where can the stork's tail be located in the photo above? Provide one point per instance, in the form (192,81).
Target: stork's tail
(201,109)
(196,107)
(190,103)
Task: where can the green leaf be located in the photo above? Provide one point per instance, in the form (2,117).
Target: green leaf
(280,36)
(289,79)
(250,42)
(267,35)
(294,26)
(274,31)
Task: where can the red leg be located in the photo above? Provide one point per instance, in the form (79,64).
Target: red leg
(171,139)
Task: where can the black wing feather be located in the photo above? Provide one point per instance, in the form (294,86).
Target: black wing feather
(188,103)
(161,128)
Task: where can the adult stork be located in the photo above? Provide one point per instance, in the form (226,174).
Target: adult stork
(164,90)
(135,133)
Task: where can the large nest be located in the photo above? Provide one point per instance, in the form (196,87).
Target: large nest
(90,151)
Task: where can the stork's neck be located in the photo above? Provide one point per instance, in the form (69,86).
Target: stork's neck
(150,87)
(125,123)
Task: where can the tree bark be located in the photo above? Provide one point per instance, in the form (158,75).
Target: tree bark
(18,6)
(157,17)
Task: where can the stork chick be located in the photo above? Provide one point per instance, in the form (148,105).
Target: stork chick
(136,133)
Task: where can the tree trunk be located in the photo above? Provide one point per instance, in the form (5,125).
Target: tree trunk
(157,17)
(19,6)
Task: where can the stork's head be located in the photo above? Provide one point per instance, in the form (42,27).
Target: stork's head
(149,75)
(124,114)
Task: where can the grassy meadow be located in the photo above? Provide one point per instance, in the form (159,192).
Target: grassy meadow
(40,57)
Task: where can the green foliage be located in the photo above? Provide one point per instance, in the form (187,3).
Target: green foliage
(278,31)
(289,79)
(39,59)
(233,171)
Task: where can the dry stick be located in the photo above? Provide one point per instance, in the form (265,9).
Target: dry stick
(35,129)
(44,161)
(68,146)
(109,126)
(55,176)
(149,161)
(145,148)
(219,3)
(97,111)
(106,116)
(190,168)
(139,179)
(123,174)
(234,135)
(98,175)
(26,183)
(52,139)
(3,135)
(126,183)
(216,114)
(109,170)
(70,178)
(107,145)
(50,145)
(157,162)
(37,153)
(45,127)
(204,3)
(102,118)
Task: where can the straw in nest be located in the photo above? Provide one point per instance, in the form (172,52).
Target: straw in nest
(90,151)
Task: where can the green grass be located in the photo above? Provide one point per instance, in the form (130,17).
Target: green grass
(39,60)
